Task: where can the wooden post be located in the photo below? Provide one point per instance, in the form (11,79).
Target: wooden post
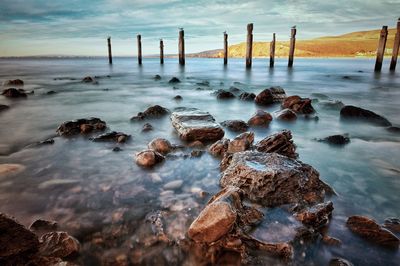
(225,48)
(272,51)
(396,44)
(109,51)
(381,48)
(181,47)
(139,46)
(161,51)
(292,45)
(249,50)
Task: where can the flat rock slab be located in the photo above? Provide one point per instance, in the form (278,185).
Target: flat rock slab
(194,124)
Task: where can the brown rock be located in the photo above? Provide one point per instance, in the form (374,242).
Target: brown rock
(235,125)
(298,104)
(58,244)
(286,115)
(316,216)
(219,147)
(155,111)
(147,127)
(331,241)
(196,144)
(13,82)
(271,95)
(280,142)
(86,128)
(89,79)
(148,158)
(160,145)
(360,114)
(74,127)
(112,136)
(8,169)
(393,224)
(260,118)
(370,230)
(241,143)
(14,93)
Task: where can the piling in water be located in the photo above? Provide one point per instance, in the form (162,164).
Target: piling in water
(161,51)
(225,48)
(109,51)
(292,45)
(139,46)
(181,47)
(396,44)
(272,51)
(249,50)
(381,48)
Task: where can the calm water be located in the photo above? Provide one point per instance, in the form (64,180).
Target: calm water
(95,193)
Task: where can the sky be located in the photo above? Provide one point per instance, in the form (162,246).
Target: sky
(71,27)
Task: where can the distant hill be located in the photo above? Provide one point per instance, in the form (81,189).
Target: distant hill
(362,43)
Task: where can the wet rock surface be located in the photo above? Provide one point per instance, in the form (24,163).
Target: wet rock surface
(219,147)
(41,226)
(4,107)
(393,224)
(58,244)
(193,124)
(151,112)
(149,158)
(298,104)
(241,142)
(81,126)
(286,115)
(336,139)
(174,80)
(270,96)
(147,127)
(247,96)
(112,137)
(316,216)
(235,125)
(340,262)
(280,142)
(13,82)
(14,93)
(223,94)
(357,113)
(160,145)
(178,98)
(260,118)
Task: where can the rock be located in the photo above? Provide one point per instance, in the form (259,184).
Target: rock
(393,224)
(370,230)
(173,185)
(178,98)
(298,104)
(147,127)
(151,112)
(117,149)
(235,125)
(196,153)
(286,115)
(149,158)
(41,226)
(278,93)
(339,262)
(15,239)
(234,90)
(203,83)
(316,216)
(337,139)
(8,169)
(46,142)
(112,136)
(13,82)
(280,142)
(174,80)
(241,143)
(273,179)
(160,145)
(86,128)
(260,118)
(14,93)
(157,77)
(219,147)
(51,92)
(264,98)
(58,244)
(333,105)
(223,94)
(70,128)
(357,113)
(196,144)
(391,129)
(89,79)
(193,124)
(246,96)
(4,107)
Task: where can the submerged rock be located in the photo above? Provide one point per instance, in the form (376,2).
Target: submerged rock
(273,179)
(13,82)
(246,96)
(41,226)
(14,93)
(280,142)
(298,104)
(271,95)
(58,244)
(84,125)
(193,124)
(151,112)
(241,142)
(260,118)
(357,113)
(89,79)
(4,107)
(147,127)
(112,136)
(370,230)
(235,125)
(149,158)
(316,216)
(160,145)
(223,94)
(286,115)
(157,77)
(336,139)
(174,80)
(393,224)
(219,147)
(178,98)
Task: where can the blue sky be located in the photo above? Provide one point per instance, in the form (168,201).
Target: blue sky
(71,27)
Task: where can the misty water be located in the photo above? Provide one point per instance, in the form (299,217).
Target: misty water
(103,198)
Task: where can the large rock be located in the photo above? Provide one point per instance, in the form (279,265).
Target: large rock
(298,104)
(149,158)
(151,112)
(81,126)
(58,244)
(271,95)
(13,82)
(235,125)
(14,93)
(193,124)
(160,145)
(280,142)
(260,118)
(286,115)
(316,216)
(219,148)
(223,94)
(241,142)
(273,179)
(357,113)
(372,231)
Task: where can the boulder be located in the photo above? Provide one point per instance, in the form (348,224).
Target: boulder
(235,125)
(75,127)
(247,96)
(273,179)
(260,118)
(286,115)
(298,104)
(223,94)
(370,230)
(241,143)
(160,145)
(235,90)
(148,158)
(193,124)
(58,244)
(316,216)
(4,107)
(219,147)
(280,142)
(112,136)
(271,95)
(147,127)
(360,114)
(14,93)
(13,82)
(151,112)
(174,80)
(336,139)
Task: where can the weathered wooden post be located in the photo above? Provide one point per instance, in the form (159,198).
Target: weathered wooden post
(292,45)
(272,51)
(139,46)
(161,51)
(396,45)
(249,49)
(181,47)
(381,48)
(225,48)
(109,51)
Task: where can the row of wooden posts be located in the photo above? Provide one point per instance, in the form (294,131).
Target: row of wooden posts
(249,48)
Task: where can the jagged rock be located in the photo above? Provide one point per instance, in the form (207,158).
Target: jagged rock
(193,124)
(393,224)
(316,216)
(196,153)
(13,82)
(160,145)
(149,158)
(260,118)
(241,143)
(246,96)
(370,230)
(41,226)
(58,244)
(298,104)
(280,142)
(196,144)
(157,77)
(74,127)
(357,113)
(147,127)
(174,80)
(112,136)
(235,125)
(223,94)
(89,79)
(219,147)
(151,112)
(14,93)
(339,262)
(286,115)
(337,139)
(271,95)
(117,149)
(278,93)
(4,107)
(178,98)
(273,179)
